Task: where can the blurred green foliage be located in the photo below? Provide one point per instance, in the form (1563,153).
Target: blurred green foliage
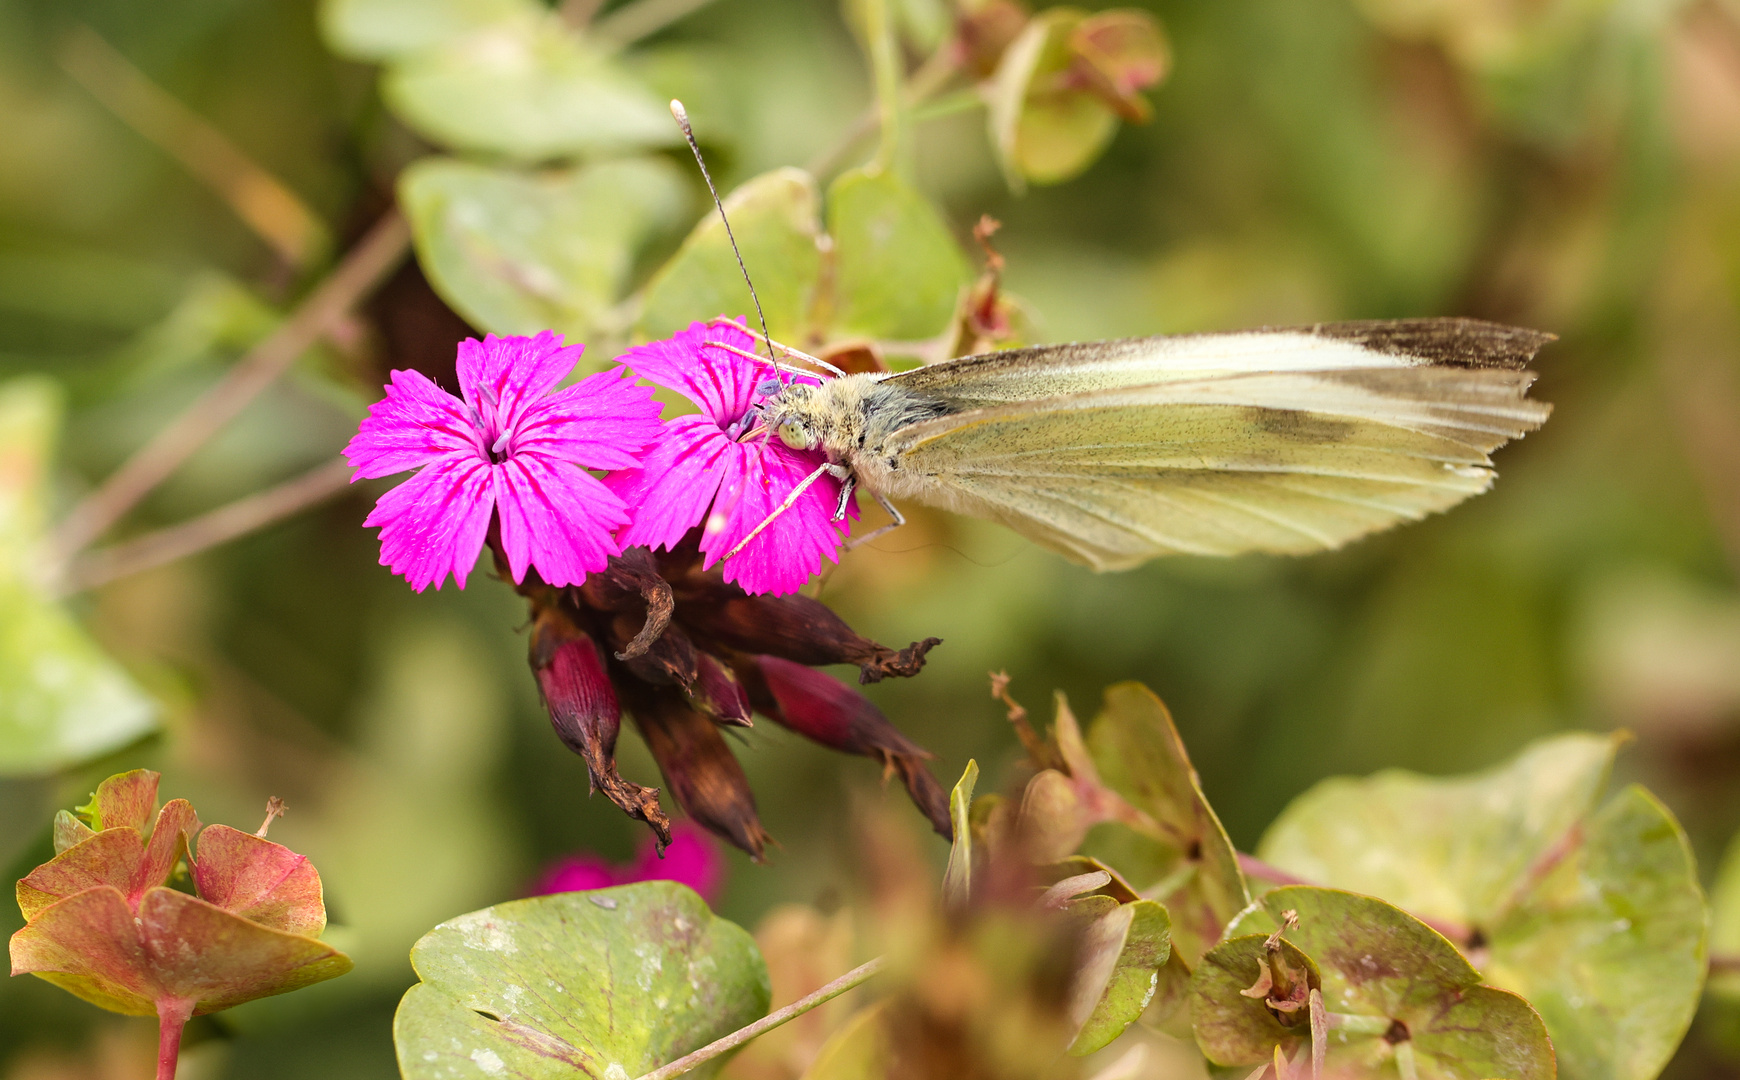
(1572,165)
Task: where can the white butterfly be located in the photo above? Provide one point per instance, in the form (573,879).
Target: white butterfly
(1114,452)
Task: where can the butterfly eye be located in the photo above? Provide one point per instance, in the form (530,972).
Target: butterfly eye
(794,435)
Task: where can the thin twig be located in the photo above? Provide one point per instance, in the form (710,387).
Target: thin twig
(767,1023)
(1459,935)
(931,76)
(1725,964)
(268,207)
(219,526)
(636,20)
(362,269)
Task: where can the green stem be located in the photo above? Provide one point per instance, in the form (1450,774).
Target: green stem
(172,1017)
(1405,1060)
(767,1023)
(1355,1024)
(885,66)
(631,22)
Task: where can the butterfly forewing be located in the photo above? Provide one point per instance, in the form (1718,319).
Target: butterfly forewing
(1266,454)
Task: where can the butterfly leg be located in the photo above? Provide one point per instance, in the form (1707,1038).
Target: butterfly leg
(847,483)
(899,519)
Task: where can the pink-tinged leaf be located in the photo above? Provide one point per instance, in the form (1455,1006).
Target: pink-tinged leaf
(602,422)
(721,382)
(250,876)
(179,947)
(170,840)
(433,524)
(124,801)
(69,831)
(198,950)
(670,493)
(110,858)
(416,423)
(89,946)
(557,517)
(500,376)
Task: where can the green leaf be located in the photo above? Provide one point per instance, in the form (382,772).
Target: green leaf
(1447,848)
(858,1051)
(1122,954)
(517,252)
(1598,920)
(62,700)
(528,89)
(958,878)
(1725,923)
(383,29)
(1233,1028)
(1408,984)
(776,218)
(1610,944)
(1042,135)
(1139,755)
(897,271)
(609,983)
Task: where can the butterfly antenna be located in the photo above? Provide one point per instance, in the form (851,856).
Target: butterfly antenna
(682,116)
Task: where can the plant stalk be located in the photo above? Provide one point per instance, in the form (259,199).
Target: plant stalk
(208,530)
(767,1023)
(172,1017)
(362,270)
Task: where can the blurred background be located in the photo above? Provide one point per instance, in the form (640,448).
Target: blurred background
(175,176)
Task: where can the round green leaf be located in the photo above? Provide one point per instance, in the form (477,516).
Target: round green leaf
(897,270)
(528,89)
(1378,962)
(382,29)
(610,983)
(62,699)
(1119,970)
(1610,944)
(1046,136)
(1598,920)
(1231,1026)
(517,252)
(776,218)
(1447,848)
(1140,756)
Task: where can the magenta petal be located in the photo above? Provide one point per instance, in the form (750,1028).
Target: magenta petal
(790,550)
(692,858)
(670,492)
(500,376)
(601,422)
(722,383)
(575,873)
(434,523)
(413,425)
(555,516)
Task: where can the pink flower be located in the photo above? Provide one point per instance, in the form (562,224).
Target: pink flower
(510,447)
(692,859)
(722,470)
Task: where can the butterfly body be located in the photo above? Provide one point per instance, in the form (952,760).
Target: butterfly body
(1112,453)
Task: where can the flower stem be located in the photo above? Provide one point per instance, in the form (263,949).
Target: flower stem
(219,526)
(631,22)
(363,268)
(172,1017)
(767,1023)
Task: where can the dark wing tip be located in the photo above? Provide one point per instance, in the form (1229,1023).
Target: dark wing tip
(1455,342)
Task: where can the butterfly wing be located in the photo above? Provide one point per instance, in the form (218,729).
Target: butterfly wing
(1285,458)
